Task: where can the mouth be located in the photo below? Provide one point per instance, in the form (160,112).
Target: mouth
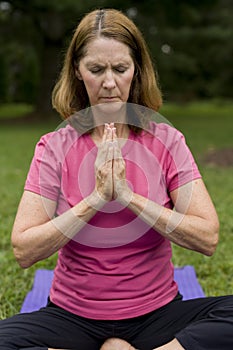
(109,99)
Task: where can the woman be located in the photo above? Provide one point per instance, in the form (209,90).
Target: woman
(101,192)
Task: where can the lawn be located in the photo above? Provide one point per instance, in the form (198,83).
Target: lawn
(206,126)
(17,142)
(14,110)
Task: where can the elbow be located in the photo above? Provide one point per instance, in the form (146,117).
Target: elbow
(213,241)
(210,251)
(213,247)
(21,258)
(23,263)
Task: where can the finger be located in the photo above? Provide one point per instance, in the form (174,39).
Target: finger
(117,150)
(104,162)
(106,139)
(115,139)
(109,135)
(106,127)
(104,155)
(110,155)
(114,134)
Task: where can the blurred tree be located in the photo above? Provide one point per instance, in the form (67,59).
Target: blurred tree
(19,47)
(38,27)
(3,77)
(42,27)
(190,40)
(191,44)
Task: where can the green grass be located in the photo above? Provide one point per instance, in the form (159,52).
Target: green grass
(208,126)
(205,126)
(9,111)
(17,142)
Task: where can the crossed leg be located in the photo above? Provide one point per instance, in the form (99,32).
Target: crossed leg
(172,345)
(116,344)
(120,344)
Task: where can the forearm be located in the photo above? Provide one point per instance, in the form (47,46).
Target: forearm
(189,231)
(39,242)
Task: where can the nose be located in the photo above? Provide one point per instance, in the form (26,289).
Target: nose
(109,80)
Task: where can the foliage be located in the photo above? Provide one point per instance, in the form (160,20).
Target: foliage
(190,42)
(3,77)
(23,72)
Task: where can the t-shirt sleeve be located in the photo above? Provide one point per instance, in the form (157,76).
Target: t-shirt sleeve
(181,166)
(44,173)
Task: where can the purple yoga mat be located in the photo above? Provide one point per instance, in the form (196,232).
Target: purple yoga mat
(185,277)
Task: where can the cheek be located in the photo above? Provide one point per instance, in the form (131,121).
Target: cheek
(90,83)
(128,81)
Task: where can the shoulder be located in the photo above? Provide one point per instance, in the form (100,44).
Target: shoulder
(59,140)
(65,133)
(164,130)
(163,133)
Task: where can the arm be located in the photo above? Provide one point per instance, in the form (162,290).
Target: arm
(37,234)
(194,223)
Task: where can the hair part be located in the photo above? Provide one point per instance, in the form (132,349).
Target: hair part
(69,95)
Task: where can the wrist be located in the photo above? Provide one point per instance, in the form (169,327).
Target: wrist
(95,201)
(125,197)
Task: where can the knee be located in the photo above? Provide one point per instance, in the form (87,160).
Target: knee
(116,344)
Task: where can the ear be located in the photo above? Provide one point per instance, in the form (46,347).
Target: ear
(77,74)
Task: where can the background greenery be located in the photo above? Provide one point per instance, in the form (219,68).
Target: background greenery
(190,42)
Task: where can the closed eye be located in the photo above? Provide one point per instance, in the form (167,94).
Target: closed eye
(96,70)
(99,69)
(120,69)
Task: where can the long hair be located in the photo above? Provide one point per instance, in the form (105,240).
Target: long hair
(69,95)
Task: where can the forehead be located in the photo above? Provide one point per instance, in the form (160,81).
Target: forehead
(103,50)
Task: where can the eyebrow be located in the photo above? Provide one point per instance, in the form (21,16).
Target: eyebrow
(91,64)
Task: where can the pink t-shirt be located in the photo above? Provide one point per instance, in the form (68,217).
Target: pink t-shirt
(116,267)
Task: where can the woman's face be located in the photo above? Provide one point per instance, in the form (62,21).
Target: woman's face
(107,70)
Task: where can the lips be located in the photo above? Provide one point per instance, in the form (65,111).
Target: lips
(110,98)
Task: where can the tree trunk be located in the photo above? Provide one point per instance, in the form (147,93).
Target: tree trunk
(52,28)
(50,66)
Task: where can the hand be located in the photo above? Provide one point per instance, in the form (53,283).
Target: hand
(103,166)
(121,190)
(110,168)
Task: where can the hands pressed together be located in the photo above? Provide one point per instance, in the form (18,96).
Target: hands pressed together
(110,168)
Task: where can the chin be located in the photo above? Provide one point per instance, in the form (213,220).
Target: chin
(109,112)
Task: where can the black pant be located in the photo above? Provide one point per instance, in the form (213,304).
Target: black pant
(198,324)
